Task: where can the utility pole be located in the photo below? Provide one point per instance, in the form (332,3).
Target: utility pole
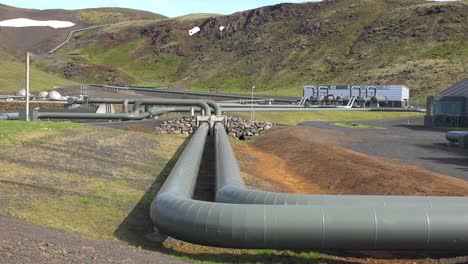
(27,87)
(251,104)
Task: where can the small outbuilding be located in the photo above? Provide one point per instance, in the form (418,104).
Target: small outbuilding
(450,108)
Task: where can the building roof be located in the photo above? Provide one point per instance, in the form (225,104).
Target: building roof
(459,89)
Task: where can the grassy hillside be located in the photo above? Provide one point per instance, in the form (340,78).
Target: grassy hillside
(280,48)
(98,16)
(12,77)
(294,118)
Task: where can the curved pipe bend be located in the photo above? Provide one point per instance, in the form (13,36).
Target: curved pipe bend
(230,188)
(215,106)
(169,102)
(362,227)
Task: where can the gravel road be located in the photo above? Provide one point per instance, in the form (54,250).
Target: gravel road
(403,140)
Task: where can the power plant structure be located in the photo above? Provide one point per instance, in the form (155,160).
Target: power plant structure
(355,96)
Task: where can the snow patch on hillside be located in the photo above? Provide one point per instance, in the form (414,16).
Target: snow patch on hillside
(25,22)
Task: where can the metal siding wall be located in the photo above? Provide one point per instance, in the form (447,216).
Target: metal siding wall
(392,92)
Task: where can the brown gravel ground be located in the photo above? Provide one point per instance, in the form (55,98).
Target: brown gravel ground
(23,243)
(15,106)
(296,160)
(306,160)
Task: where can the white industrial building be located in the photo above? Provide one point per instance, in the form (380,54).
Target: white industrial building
(385,95)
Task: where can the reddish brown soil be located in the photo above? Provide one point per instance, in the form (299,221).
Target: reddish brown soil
(307,160)
(14,106)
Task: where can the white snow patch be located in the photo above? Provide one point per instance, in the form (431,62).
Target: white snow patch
(26,22)
(194,31)
(221,28)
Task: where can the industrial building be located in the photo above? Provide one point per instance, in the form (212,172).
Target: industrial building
(450,108)
(357,95)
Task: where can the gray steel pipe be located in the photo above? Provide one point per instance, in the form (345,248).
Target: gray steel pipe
(278,226)
(176,102)
(75,100)
(124,116)
(9,116)
(454,135)
(230,188)
(215,106)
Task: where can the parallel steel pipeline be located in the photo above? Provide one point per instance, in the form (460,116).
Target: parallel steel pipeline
(230,188)
(137,103)
(178,102)
(349,226)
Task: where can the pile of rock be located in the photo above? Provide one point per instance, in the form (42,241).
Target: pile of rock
(236,127)
(184,125)
(244,129)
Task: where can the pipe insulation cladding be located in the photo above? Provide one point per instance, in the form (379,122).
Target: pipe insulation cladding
(9,116)
(339,226)
(174,102)
(453,136)
(230,188)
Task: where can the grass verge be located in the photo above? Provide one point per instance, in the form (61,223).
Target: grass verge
(17,131)
(294,118)
(12,78)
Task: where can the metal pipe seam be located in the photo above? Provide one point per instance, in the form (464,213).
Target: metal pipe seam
(230,188)
(288,227)
(176,102)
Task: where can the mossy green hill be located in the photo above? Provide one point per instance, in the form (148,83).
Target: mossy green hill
(279,48)
(14,42)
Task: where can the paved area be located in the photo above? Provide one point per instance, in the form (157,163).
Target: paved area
(405,140)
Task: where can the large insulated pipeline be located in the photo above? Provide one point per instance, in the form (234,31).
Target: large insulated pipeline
(360,227)
(453,136)
(139,102)
(177,102)
(9,116)
(230,188)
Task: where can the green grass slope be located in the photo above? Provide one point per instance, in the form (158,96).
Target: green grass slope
(12,77)
(283,47)
(107,15)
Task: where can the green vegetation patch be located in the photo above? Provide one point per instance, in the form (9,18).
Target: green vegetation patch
(113,15)
(357,125)
(294,118)
(12,78)
(93,181)
(15,131)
